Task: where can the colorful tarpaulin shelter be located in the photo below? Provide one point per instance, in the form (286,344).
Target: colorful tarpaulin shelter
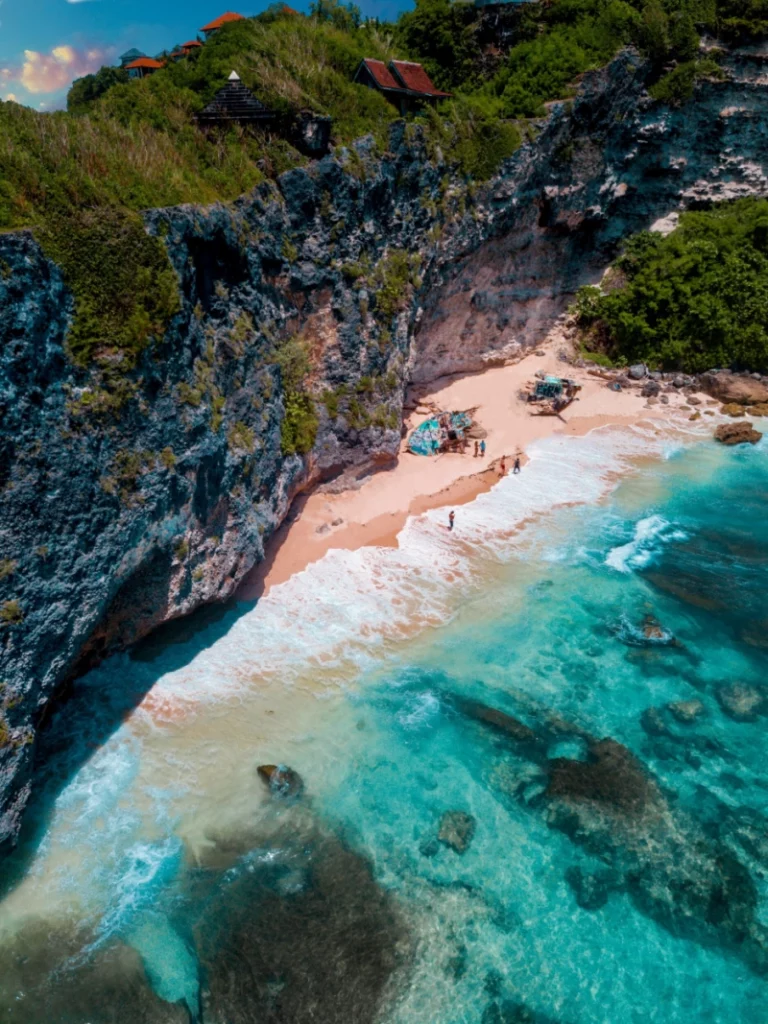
(431,436)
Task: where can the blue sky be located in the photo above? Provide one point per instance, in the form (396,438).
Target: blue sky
(45,44)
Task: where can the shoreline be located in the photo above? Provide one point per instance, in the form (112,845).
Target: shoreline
(374,512)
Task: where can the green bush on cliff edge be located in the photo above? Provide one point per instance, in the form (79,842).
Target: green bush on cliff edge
(689,301)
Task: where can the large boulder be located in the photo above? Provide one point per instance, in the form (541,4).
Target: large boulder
(737,433)
(728,388)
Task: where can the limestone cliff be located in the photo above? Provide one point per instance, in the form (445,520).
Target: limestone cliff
(119,515)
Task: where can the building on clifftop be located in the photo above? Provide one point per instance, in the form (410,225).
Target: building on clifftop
(143,66)
(129,56)
(223,19)
(235,104)
(402,82)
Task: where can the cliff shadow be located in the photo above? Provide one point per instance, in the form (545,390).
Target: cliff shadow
(93,706)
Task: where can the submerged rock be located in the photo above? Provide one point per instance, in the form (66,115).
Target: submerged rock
(741,701)
(281,780)
(686,711)
(456,830)
(613,779)
(591,890)
(737,433)
(498,720)
(273,951)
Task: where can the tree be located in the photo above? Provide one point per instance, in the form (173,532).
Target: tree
(85,91)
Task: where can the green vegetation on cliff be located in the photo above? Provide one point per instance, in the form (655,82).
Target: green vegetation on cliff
(694,299)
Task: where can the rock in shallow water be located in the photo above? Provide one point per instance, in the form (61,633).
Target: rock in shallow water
(741,701)
(591,890)
(456,830)
(737,433)
(282,781)
(686,711)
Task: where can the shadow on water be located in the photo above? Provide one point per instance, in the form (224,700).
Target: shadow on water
(87,714)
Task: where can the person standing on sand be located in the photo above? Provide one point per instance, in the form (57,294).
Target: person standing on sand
(516,467)
(475,456)
(503,466)
(482,448)
(451,517)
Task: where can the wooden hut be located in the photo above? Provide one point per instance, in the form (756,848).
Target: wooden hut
(404,83)
(143,66)
(235,104)
(129,56)
(223,19)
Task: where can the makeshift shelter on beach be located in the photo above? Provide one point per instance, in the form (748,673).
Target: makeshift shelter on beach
(444,432)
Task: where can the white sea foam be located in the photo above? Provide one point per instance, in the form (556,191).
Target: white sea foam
(651,533)
(339,611)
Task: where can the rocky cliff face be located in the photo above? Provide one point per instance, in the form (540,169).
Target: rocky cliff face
(388,268)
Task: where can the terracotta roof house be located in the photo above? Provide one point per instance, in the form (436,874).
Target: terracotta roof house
(235,104)
(129,56)
(143,66)
(402,82)
(223,19)
(193,44)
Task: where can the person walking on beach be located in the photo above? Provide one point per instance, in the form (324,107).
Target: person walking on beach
(482,448)
(516,467)
(503,466)
(475,456)
(451,517)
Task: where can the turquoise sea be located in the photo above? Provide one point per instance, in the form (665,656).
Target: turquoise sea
(534,764)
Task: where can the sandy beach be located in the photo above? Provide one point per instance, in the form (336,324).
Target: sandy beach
(374,512)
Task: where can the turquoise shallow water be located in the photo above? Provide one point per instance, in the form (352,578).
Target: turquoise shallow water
(609,851)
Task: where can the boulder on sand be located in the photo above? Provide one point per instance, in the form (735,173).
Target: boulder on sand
(637,372)
(281,780)
(456,830)
(727,387)
(737,433)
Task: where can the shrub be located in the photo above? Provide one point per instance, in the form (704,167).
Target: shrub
(11,613)
(181,549)
(7,567)
(241,438)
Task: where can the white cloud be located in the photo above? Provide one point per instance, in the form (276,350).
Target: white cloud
(49,72)
(11,97)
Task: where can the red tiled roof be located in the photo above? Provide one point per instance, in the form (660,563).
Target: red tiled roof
(221,20)
(381,74)
(288,10)
(145,62)
(415,78)
(190,44)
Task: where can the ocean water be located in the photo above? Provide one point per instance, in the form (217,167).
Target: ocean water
(534,765)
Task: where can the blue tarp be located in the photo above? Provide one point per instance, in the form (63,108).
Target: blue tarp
(429,437)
